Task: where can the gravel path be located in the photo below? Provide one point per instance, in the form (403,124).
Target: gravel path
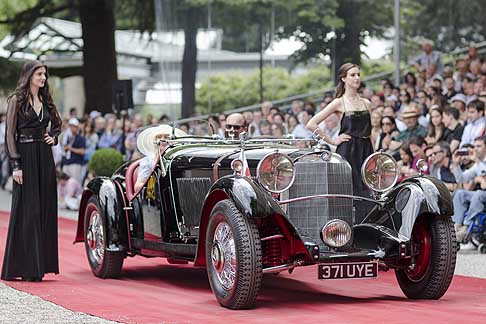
(17,307)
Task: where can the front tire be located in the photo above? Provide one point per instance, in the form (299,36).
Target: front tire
(104,264)
(434,242)
(233,257)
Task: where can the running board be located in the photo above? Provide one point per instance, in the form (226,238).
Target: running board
(174,249)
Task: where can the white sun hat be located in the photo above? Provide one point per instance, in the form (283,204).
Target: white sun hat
(146,139)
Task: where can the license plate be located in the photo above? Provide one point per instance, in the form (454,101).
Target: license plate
(348,270)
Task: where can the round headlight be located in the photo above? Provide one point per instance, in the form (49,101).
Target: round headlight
(237,166)
(336,233)
(379,171)
(276,172)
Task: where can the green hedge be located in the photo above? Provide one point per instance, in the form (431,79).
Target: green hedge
(104,162)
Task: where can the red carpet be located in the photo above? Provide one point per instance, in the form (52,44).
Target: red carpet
(151,291)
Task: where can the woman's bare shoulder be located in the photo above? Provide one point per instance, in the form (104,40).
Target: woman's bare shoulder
(336,105)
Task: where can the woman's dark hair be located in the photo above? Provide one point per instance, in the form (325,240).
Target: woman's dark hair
(406,94)
(410,75)
(435,131)
(391,119)
(406,148)
(22,92)
(342,72)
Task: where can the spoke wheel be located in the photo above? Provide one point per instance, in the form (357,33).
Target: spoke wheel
(103,263)
(233,257)
(422,243)
(223,255)
(434,249)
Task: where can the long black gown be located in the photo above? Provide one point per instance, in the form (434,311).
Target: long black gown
(31,249)
(356,123)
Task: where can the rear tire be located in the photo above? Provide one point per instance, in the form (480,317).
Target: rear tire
(233,257)
(435,240)
(104,264)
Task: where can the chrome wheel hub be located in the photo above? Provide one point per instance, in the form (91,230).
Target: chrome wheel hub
(95,238)
(223,255)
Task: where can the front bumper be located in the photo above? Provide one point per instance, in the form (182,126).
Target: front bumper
(370,241)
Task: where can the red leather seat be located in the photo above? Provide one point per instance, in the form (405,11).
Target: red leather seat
(131,178)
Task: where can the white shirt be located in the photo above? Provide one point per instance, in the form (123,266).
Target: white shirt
(300,131)
(473,130)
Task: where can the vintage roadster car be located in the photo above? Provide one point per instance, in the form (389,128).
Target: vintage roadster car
(246,207)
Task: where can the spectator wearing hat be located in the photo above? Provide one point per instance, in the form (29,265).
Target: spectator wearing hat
(459,102)
(476,122)
(450,118)
(74,149)
(410,118)
(429,57)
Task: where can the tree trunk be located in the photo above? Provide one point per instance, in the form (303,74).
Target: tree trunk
(99,55)
(348,46)
(189,63)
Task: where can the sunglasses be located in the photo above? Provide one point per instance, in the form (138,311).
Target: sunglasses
(389,124)
(235,127)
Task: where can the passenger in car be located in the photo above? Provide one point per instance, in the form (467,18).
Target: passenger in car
(146,144)
(147,163)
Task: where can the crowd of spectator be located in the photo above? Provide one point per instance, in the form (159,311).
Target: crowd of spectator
(436,113)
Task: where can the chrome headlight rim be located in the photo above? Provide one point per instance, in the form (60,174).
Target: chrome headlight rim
(258,172)
(363,169)
(331,241)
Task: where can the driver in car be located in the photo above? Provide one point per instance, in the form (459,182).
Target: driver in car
(235,124)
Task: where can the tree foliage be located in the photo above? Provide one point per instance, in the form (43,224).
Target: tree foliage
(336,29)
(450,24)
(9,76)
(232,90)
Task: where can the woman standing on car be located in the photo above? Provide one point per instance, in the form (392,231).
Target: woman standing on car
(31,248)
(353,142)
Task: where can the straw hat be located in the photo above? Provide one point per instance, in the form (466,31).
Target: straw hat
(146,139)
(410,112)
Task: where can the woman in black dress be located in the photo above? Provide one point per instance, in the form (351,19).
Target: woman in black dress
(353,142)
(31,249)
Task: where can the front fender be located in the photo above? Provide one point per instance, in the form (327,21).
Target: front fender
(251,200)
(413,197)
(111,204)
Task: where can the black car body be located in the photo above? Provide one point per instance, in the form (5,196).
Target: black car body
(201,206)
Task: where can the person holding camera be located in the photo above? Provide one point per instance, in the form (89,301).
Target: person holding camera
(475,194)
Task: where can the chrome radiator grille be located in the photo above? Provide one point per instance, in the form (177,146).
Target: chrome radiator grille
(192,191)
(314,178)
